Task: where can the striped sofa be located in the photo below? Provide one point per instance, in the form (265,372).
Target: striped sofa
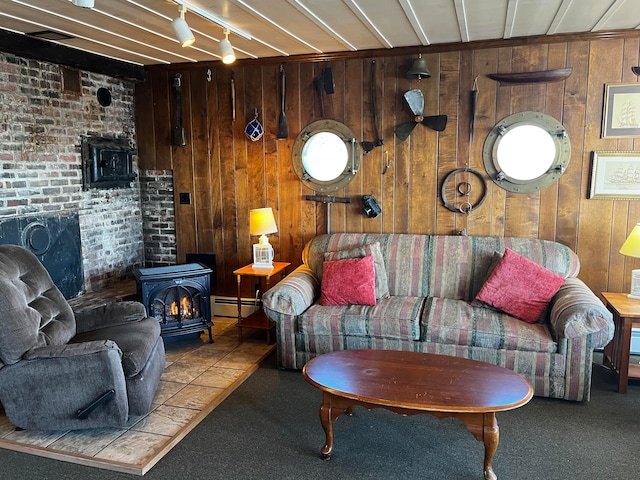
(433,280)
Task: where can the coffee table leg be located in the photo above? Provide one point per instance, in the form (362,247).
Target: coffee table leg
(490,438)
(484,427)
(328,413)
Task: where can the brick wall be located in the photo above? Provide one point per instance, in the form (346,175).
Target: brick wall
(40,160)
(158,217)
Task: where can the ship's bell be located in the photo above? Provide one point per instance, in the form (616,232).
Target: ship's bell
(418,69)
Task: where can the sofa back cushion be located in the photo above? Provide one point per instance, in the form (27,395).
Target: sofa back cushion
(460,264)
(405,255)
(446,266)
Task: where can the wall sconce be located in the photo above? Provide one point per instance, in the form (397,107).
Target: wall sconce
(84,3)
(226,50)
(181,29)
(262,222)
(631,248)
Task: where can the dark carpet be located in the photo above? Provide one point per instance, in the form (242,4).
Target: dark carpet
(269,429)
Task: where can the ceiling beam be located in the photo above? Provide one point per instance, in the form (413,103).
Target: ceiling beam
(43,50)
(414,50)
(512,7)
(413,19)
(358,12)
(559,17)
(463,25)
(608,14)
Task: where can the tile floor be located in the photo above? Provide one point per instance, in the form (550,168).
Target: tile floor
(198,376)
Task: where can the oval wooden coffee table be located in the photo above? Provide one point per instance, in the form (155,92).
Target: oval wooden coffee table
(410,383)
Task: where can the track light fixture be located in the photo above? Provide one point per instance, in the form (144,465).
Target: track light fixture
(84,3)
(226,50)
(181,29)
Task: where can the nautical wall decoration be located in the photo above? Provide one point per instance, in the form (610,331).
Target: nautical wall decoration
(621,116)
(415,100)
(254,129)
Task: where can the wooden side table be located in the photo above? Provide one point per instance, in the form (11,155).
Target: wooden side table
(626,315)
(257,319)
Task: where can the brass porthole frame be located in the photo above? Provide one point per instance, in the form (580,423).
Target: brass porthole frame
(556,131)
(353,148)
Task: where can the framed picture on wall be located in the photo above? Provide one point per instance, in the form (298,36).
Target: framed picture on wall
(615,175)
(621,117)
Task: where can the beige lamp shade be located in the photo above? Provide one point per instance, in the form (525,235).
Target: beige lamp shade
(262,222)
(631,246)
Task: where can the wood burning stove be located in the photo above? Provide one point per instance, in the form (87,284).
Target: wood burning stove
(178,296)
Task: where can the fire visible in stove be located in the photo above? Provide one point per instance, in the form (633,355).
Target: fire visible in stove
(177,305)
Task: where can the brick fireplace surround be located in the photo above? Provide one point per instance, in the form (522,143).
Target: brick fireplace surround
(41,126)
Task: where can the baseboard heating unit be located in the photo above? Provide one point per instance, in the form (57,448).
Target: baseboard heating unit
(228,306)
(635,341)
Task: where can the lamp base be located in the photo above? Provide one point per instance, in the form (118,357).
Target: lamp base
(262,255)
(635,285)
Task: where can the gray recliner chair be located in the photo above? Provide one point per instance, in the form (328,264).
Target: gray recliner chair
(64,371)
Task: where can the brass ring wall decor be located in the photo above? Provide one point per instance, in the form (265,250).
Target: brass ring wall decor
(326,155)
(463,189)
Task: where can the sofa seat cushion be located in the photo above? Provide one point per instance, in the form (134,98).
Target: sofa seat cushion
(393,317)
(136,340)
(458,322)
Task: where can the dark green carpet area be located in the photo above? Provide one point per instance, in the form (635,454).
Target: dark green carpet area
(269,428)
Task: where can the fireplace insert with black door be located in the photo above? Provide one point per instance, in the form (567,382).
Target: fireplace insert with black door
(178,296)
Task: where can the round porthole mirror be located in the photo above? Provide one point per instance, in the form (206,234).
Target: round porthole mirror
(526,152)
(326,155)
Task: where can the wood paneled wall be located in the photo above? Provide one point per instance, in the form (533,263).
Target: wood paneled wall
(227,175)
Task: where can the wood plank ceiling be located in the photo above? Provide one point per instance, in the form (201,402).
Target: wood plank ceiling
(139,31)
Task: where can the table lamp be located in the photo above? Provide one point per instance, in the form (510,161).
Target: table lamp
(262,222)
(631,248)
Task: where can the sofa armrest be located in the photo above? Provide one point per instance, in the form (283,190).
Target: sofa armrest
(47,389)
(72,350)
(294,294)
(283,304)
(575,311)
(112,314)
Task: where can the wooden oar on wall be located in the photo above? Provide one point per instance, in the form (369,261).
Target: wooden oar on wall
(283,128)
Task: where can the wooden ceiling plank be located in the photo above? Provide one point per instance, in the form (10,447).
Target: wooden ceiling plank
(413,19)
(144,35)
(509,21)
(307,12)
(607,15)
(358,12)
(462,20)
(559,17)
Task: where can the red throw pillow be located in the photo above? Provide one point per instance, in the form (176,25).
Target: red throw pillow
(520,287)
(351,281)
